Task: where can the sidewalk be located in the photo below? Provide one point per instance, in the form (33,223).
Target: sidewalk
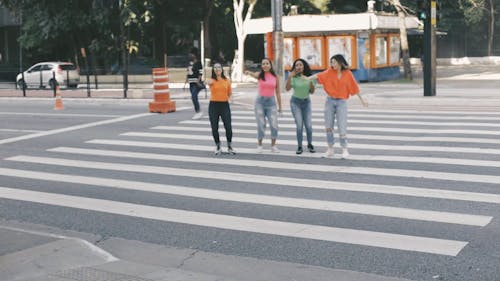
(461,88)
(458,87)
(39,253)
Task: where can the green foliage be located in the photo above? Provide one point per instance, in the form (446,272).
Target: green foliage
(57,29)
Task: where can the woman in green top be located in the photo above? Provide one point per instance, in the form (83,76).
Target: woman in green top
(300,103)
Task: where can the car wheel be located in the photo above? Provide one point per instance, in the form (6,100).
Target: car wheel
(21,84)
(53,83)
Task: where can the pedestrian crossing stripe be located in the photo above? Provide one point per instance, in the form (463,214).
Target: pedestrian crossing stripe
(281,201)
(262,179)
(362,116)
(354,128)
(288,229)
(454,149)
(194,147)
(435,123)
(335,169)
(351,136)
(304,231)
(375,112)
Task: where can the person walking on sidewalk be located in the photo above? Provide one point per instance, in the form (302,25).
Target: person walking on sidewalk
(300,103)
(265,103)
(194,75)
(339,84)
(220,93)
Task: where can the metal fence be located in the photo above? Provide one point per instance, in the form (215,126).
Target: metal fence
(99,86)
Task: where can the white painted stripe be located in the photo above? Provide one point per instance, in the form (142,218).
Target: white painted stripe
(159,76)
(305,231)
(20,131)
(454,149)
(59,114)
(351,136)
(329,168)
(211,161)
(166,91)
(390,122)
(361,116)
(160,83)
(249,178)
(72,128)
(367,111)
(461,117)
(322,205)
(346,169)
(354,128)
(403,112)
(410,159)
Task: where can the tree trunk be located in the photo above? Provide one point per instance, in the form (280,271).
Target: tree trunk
(491,28)
(239,22)
(404,40)
(239,62)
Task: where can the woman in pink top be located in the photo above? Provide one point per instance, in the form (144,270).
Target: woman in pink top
(265,103)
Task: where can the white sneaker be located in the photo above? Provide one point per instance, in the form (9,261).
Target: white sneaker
(329,153)
(345,153)
(198,115)
(218,151)
(259,149)
(274,149)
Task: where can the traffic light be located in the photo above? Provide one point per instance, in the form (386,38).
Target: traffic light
(422,9)
(422,14)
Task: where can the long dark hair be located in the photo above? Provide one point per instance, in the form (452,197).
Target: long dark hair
(261,74)
(307,68)
(214,76)
(340,60)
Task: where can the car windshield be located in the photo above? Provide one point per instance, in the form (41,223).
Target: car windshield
(68,67)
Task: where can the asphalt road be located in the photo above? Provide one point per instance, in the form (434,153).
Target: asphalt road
(418,199)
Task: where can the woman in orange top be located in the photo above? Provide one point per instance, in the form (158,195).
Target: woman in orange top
(220,92)
(339,84)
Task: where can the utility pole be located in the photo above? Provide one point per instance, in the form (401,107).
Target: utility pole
(430,48)
(277,11)
(123,43)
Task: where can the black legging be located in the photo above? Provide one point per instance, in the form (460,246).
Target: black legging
(220,109)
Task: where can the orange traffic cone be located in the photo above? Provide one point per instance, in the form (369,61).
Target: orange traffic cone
(59,104)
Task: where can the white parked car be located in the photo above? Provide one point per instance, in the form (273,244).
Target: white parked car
(41,75)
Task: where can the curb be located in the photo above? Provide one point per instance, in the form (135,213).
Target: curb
(117,259)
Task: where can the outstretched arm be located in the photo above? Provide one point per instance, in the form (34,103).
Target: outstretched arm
(253,74)
(312,77)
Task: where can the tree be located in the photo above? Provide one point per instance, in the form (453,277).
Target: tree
(239,23)
(347,6)
(403,38)
(474,11)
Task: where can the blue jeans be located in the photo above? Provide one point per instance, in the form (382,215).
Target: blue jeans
(336,108)
(301,111)
(195,90)
(265,107)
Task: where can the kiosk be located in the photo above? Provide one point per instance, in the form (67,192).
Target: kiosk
(369,41)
